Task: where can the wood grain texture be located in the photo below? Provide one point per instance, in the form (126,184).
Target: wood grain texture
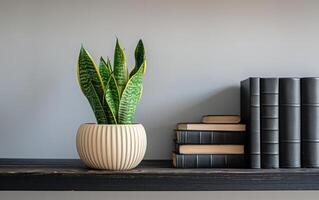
(49,175)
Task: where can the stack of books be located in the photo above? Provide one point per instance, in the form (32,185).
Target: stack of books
(217,142)
(282,118)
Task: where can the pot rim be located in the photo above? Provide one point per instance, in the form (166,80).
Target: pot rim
(95,124)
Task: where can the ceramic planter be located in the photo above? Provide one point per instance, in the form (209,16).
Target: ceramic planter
(111,147)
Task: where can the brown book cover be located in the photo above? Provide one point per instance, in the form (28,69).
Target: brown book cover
(221,119)
(211,127)
(210,149)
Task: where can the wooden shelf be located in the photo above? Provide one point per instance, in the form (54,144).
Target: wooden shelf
(46,174)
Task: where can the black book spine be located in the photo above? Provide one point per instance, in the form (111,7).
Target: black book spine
(250,115)
(269,122)
(310,122)
(209,161)
(209,137)
(289,123)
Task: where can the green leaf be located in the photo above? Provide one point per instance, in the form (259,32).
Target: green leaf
(104,73)
(108,64)
(139,57)
(111,91)
(131,97)
(120,67)
(91,85)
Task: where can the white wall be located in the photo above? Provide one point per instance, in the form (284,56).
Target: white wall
(197,52)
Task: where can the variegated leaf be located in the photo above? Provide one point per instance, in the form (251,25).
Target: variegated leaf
(130,97)
(91,85)
(139,57)
(120,67)
(111,91)
(108,64)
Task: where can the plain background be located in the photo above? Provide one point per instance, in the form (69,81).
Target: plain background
(197,51)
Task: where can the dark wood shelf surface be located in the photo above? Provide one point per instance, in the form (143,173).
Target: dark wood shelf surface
(156,175)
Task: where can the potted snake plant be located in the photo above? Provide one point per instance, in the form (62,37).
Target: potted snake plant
(115,142)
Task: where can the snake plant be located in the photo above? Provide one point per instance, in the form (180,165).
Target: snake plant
(112,91)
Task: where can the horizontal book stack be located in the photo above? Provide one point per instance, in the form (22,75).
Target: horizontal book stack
(282,118)
(217,142)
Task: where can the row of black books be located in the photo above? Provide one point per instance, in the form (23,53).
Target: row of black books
(217,142)
(282,118)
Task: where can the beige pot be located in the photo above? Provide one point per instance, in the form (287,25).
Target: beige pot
(111,147)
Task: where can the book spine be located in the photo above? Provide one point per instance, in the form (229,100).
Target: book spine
(210,161)
(310,122)
(209,137)
(289,123)
(269,121)
(250,114)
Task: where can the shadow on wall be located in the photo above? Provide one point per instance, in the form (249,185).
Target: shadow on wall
(223,102)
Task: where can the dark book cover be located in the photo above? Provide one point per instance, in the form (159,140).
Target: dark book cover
(250,115)
(269,122)
(209,161)
(289,123)
(310,122)
(209,137)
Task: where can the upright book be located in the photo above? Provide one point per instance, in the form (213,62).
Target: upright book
(250,115)
(269,121)
(209,137)
(209,161)
(310,122)
(289,123)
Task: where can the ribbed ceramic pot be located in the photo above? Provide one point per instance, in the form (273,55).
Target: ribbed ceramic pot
(111,147)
